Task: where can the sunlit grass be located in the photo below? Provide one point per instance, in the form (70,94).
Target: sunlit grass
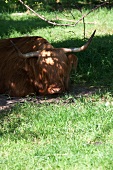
(100,20)
(58,136)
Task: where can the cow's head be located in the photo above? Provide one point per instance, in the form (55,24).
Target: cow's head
(53,67)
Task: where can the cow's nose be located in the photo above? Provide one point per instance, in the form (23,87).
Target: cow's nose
(53,90)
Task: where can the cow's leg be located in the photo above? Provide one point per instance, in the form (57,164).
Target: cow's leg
(72,61)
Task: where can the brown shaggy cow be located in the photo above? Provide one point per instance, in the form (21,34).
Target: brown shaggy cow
(31,65)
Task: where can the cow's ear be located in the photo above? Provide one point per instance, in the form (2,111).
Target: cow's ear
(72,60)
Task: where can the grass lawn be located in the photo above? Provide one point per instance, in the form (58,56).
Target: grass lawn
(65,135)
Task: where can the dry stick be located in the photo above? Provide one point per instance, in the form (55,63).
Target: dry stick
(63,19)
(42,17)
(56,24)
(67,20)
(72,15)
(84,24)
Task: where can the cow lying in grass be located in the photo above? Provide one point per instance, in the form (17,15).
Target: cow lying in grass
(31,65)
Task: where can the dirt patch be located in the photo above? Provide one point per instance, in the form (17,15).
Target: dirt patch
(7,102)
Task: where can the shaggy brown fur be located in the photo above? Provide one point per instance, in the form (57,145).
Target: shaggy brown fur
(46,74)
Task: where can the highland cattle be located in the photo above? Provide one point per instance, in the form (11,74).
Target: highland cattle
(31,65)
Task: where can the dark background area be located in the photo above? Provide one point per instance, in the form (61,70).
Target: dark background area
(15,5)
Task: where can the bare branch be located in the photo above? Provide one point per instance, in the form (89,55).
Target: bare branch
(57,24)
(43,18)
(63,19)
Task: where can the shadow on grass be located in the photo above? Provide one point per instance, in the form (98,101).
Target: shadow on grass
(95,65)
(22,26)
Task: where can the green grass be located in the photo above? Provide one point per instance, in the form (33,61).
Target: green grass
(58,136)
(65,135)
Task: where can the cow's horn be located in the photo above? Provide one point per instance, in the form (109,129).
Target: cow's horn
(30,54)
(27,55)
(82,48)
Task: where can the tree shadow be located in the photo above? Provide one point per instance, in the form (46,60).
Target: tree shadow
(95,65)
